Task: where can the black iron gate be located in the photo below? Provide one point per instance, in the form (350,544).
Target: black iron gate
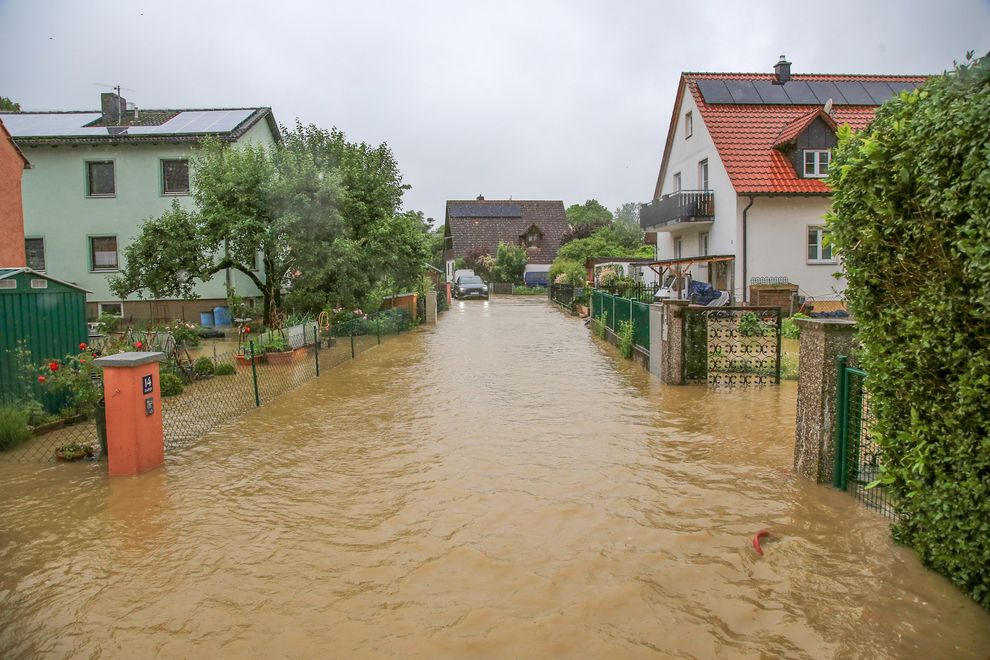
(729,346)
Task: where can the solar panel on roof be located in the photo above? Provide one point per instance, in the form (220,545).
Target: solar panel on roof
(799,93)
(714,91)
(742,91)
(485,210)
(51,125)
(902,86)
(878,91)
(202,121)
(770,93)
(824,91)
(855,93)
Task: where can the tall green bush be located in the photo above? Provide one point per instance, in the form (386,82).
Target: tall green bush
(510,263)
(911,219)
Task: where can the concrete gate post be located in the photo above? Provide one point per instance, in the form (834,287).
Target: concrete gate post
(656,338)
(431,307)
(672,341)
(135,438)
(822,341)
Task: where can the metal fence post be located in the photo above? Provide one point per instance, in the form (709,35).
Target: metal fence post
(254,377)
(779,323)
(353,354)
(316,338)
(842,416)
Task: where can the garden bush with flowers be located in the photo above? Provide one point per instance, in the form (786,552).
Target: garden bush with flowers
(71,385)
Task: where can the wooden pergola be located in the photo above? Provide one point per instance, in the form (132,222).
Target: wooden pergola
(681,266)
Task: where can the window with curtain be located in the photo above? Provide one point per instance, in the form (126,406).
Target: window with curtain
(103,252)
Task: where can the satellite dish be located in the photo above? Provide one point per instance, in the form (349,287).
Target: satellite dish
(828,107)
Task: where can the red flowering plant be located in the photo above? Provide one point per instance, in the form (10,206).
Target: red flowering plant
(73,382)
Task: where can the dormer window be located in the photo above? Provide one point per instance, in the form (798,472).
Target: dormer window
(532,238)
(816,163)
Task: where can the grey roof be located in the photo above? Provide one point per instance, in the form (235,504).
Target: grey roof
(482,209)
(10,272)
(174,126)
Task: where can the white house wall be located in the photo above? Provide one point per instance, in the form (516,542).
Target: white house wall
(684,156)
(778,236)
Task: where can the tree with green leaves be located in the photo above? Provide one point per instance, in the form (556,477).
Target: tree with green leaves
(590,212)
(910,217)
(510,263)
(248,198)
(6,105)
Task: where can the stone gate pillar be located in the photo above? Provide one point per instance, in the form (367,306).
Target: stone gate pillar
(431,307)
(672,342)
(822,341)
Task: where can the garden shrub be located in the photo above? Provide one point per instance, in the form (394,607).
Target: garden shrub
(13,426)
(225,369)
(204,367)
(602,325)
(171,384)
(911,219)
(789,329)
(625,336)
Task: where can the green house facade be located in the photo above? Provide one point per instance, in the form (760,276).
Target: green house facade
(41,313)
(96,176)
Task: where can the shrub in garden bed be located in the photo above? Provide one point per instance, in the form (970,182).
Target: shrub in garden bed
(13,426)
(204,367)
(171,385)
(225,369)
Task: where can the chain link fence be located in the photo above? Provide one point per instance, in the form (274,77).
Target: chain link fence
(204,394)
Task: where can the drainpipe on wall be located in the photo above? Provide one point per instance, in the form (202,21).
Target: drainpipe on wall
(745,245)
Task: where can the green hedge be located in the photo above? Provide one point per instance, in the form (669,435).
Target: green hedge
(911,219)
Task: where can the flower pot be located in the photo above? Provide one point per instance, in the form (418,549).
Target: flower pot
(242,360)
(279,357)
(68,454)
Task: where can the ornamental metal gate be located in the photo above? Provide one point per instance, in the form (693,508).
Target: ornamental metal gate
(729,346)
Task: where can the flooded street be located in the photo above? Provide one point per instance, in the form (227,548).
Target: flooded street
(502,485)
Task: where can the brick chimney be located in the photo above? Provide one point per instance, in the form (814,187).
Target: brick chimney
(781,71)
(113,108)
(481,198)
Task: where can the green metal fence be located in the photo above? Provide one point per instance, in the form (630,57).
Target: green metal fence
(617,309)
(857,456)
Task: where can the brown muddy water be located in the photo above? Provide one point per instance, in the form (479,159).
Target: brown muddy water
(500,486)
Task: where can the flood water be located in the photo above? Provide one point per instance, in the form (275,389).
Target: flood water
(502,485)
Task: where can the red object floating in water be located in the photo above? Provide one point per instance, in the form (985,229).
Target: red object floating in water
(756,540)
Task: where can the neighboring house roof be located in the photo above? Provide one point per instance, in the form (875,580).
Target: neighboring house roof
(84,127)
(747,115)
(484,224)
(6,134)
(10,272)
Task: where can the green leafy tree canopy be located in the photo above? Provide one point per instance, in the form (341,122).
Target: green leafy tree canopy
(510,263)
(588,213)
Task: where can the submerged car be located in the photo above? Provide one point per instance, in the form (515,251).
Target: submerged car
(470,286)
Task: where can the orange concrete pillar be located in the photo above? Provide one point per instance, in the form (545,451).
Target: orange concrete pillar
(135,440)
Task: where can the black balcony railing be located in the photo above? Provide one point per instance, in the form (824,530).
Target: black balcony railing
(682,206)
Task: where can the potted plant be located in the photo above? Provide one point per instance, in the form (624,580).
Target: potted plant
(73,451)
(243,358)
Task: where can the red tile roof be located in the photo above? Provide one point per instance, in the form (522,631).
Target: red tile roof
(745,135)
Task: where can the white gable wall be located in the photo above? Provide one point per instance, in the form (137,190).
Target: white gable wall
(684,156)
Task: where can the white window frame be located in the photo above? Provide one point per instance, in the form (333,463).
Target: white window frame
(92,255)
(44,252)
(677,182)
(688,124)
(89,191)
(120,305)
(816,170)
(820,233)
(703,174)
(678,247)
(703,244)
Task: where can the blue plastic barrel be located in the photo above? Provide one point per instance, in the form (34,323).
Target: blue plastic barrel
(221,316)
(206,319)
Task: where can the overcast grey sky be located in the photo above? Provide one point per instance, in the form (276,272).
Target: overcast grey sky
(537,99)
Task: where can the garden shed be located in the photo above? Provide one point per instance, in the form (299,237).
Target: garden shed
(46,314)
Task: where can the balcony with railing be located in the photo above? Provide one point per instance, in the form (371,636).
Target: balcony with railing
(670,211)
